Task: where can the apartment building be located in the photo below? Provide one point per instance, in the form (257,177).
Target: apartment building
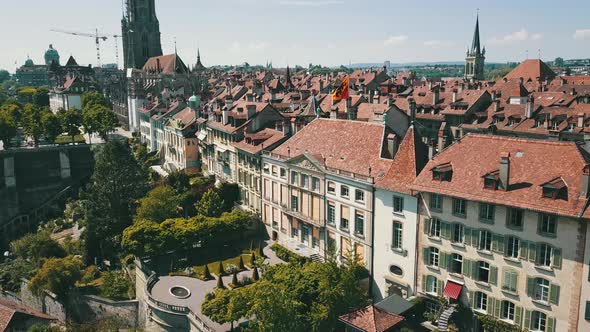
(151,122)
(396,220)
(503,230)
(180,143)
(318,188)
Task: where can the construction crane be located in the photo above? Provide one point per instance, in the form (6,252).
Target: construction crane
(97,39)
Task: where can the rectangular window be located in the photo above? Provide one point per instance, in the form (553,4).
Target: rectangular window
(515,217)
(274,170)
(483,271)
(457,264)
(512,247)
(359,195)
(458,233)
(542,287)
(283,172)
(434,230)
(398,204)
(538,321)
(266,169)
(481,301)
(507,310)
(431,285)
(459,207)
(305,181)
(433,256)
(344,215)
(436,202)
(315,184)
(485,240)
(331,187)
(486,212)
(294,178)
(547,224)
(294,203)
(344,191)
(396,242)
(544,252)
(359,223)
(331,213)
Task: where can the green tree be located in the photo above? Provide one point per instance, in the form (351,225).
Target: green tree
(116,286)
(276,309)
(215,305)
(89,121)
(238,306)
(210,205)
(36,246)
(26,94)
(106,121)
(558,62)
(230,193)
(41,97)
(116,184)
(8,127)
(94,98)
(4,75)
(57,275)
(51,126)
(160,204)
(71,120)
(143,238)
(31,121)
(12,272)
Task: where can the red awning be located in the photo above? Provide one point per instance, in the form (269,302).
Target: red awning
(452,290)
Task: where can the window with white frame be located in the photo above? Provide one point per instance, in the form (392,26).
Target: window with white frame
(459,207)
(331,187)
(547,224)
(456,264)
(544,254)
(481,301)
(487,212)
(359,195)
(485,240)
(396,242)
(542,287)
(512,246)
(458,235)
(305,181)
(436,202)
(515,218)
(359,223)
(431,285)
(398,204)
(344,191)
(331,213)
(507,310)
(434,230)
(483,271)
(294,178)
(433,256)
(315,184)
(538,321)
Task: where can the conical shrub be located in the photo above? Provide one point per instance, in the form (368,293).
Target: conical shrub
(234,279)
(221,270)
(241,266)
(220,283)
(255,275)
(206,273)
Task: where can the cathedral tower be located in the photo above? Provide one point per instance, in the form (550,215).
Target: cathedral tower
(475,57)
(141,33)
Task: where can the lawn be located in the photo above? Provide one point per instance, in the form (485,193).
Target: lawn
(63,139)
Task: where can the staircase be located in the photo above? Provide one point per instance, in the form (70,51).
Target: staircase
(316,258)
(443,320)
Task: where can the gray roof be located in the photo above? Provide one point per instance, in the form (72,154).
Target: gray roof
(394,304)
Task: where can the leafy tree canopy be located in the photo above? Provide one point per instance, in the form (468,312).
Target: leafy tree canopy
(36,246)
(160,204)
(210,205)
(57,275)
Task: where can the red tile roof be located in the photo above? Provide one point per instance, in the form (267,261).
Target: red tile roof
(371,319)
(9,308)
(531,69)
(351,146)
(165,64)
(532,163)
(411,157)
(265,139)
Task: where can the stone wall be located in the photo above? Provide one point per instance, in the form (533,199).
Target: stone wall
(97,308)
(47,303)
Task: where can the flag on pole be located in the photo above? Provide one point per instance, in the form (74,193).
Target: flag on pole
(341,92)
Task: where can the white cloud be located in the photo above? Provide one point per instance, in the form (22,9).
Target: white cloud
(514,37)
(582,34)
(235,47)
(395,40)
(258,46)
(309,3)
(536,36)
(438,43)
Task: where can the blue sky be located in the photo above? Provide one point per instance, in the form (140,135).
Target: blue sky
(329,32)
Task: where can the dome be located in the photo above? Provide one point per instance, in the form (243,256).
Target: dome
(193,98)
(29,63)
(194,102)
(51,55)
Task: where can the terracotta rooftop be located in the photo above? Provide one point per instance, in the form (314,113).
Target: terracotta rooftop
(265,139)
(532,163)
(9,309)
(371,319)
(531,69)
(351,146)
(165,64)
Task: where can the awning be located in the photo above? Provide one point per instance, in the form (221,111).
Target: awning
(220,149)
(452,290)
(202,136)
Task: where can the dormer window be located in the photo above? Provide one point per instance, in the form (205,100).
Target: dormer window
(555,189)
(443,172)
(492,180)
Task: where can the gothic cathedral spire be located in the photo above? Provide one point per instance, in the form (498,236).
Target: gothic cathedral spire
(141,33)
(474,62)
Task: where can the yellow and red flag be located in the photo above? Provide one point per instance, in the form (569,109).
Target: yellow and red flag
(341,92)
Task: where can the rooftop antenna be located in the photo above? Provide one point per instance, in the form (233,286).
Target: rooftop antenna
(527,54)
(539,54)
(175,51)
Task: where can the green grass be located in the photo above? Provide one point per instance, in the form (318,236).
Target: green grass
(214,266)
(63,139)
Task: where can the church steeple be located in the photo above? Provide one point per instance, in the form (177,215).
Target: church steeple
(474,62)
(141,33)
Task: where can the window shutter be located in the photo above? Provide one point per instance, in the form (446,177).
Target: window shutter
(439,289)
(426,226)
(497,308)
(471,295)
(587,312)
(475,238)
(556,261)
(493,275)
(467,268)
(444,260)
(530,287)
(490,305)
(518,316)
(425,255)
(532,252)
(550,324)
(424,277)
(474,266)
(467,235)
(527,319)
(445,231)
(554,294)
(498,243)
(524,250)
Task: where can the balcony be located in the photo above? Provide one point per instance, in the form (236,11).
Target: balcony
(306,219)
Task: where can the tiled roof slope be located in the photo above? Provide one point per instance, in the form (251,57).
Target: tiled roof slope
(371,319)
(532,163)
(531,69)
(350,146)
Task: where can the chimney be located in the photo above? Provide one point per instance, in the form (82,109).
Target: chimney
(546,122)
(435,96)
(251,110)
(224,116)
(581,120)
(573,92)
(431,149)
(321,85)
(334,113)
(461,87)
(287,128)
(412,109)
(442,142)
(455,96)
(529,109)
(521,81)
(585,190)
(494,96)
(250,97)
(505,170)
(391,145)
(496,106)
(158,64)
(377,98)
(371,95)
